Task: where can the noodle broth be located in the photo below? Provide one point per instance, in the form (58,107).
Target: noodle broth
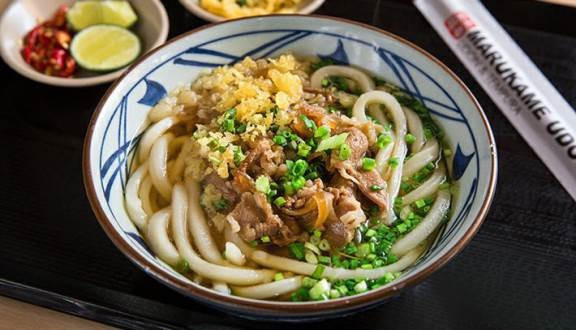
(292,179)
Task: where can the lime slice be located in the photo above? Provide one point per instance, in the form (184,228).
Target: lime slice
(105,47)
(91,12)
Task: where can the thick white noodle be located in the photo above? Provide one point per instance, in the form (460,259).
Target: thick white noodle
(200,266)
(198,226)
(177,170)
(152,134)
(428,188)
(158,166)
(269,290)
(375,111)
(415,128)
(233,254)
(157,235)
(393,174)
(426,227)
(304,268)
(133,202)
(364,81)
(384,154)
(221,287)
(421,159)
(145,192)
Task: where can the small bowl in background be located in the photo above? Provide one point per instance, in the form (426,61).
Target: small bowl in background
(21,16)
(306,7)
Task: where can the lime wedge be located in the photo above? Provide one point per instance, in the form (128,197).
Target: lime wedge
(91,12)
(118,13)
(105,47)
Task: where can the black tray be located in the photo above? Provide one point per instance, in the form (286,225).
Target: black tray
(518,272)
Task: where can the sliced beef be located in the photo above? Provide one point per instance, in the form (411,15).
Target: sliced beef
(370,183)
(225,187)
(336,234)
(256,219)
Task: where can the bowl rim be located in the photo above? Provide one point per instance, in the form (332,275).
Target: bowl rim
(28,72)
(285,308)
(193,6)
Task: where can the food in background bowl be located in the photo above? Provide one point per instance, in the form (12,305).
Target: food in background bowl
(274,166)
(243,8)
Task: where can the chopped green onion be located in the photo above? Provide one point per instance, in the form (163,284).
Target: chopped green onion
(361,287)
(278,277)
(324,245)
(298,183)
(308,282)
(254,243)
(383,140)
(238,156)
(280,201)
(367,266)
(368,164)
(310,257)
(299,168)
(263,184)
(344,153)
(393,162)
(303,149)
(325,82)
(241,128)
(420,203)
(288,188)
(317,274)
(389,277)
(182,266)
(447,152)
(332,142)
(370,233)
(430,166)
(230,113)
(322,132)
(320,290)
(265,239)
(342,289)
(310,124)
(311,247)
(317,233)
(410,138)
(229,125)
(334,294)
(324,260)
(363,250)
(297,250)
(376,187)
(315,240)
(280,140)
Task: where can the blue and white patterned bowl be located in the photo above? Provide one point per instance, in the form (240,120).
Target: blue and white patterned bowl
(119,118)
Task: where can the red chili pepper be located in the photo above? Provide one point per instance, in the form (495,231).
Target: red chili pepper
(46,47)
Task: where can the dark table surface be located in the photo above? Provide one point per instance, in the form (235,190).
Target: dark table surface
(518,272)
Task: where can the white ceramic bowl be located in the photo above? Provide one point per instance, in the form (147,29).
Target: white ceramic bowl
(21,16)
(120,118)
(306,7)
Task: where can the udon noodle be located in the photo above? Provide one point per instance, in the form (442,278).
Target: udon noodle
(289,179)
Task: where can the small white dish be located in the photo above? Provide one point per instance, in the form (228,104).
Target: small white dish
(306,7)
(21,16)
